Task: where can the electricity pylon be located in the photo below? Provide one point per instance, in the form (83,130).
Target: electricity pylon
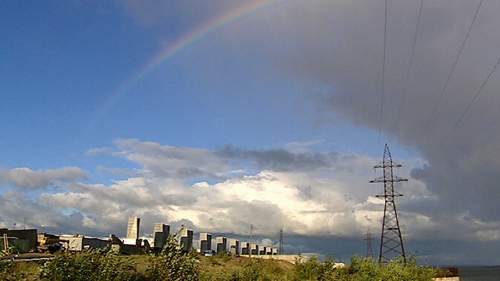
(391,241)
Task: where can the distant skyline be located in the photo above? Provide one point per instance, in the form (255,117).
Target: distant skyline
(215,114)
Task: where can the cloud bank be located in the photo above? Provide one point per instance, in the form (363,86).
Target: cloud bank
(227,189)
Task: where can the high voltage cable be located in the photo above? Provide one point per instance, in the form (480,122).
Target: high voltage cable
(476,96)
(410,64)
(383,71)
(453,67)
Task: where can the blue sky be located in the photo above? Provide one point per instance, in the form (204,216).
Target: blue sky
(282,102)
(62,62)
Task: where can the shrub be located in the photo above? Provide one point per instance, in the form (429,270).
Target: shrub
(88,266)
(307,270)
(5,265)
(399,271)
(9,271)
(173,265)
(362,269)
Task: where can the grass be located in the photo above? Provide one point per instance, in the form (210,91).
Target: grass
(243,268)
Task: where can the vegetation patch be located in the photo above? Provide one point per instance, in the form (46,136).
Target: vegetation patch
(174,265)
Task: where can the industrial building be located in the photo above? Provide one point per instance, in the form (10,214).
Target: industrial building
(160,235)
(25,240)
(28,240)
(133,228)
(269,250)
(262,250)
(234,247)
(245,248)
(205,243)
(221,244)
(254,249)
(78,243)
(48,242)
(186,239)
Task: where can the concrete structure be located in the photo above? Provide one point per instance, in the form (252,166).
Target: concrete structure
(160,233)
(245,248)
(269,251)
(294,259)
(234,247)
(133,228)
(254,249)
(221,244)
(47,239)
(48,242)
(274,251)
(118,246)
(262,250)
(186,239)
(134,242)
(78,243)
(205,243)
(24,239)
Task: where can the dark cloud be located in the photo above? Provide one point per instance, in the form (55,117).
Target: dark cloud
(171,162)
(340,47)
(279,159)
(30,179)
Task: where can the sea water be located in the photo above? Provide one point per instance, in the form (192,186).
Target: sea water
(479,273)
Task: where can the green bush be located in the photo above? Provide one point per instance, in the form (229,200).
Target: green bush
(173,265)
(8,271)
(88,266)
(307,270)
(362,269)
(399,271)
(5,268)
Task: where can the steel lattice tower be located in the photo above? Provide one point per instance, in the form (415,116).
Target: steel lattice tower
(391,241)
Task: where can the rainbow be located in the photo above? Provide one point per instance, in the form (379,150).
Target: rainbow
(198,33)
(178,45)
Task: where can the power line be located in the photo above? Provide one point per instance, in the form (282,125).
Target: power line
(442,93)
(476,96)
(410,64)
(383,71)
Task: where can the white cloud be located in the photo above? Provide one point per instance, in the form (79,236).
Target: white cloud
(329,195)
(330,198)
